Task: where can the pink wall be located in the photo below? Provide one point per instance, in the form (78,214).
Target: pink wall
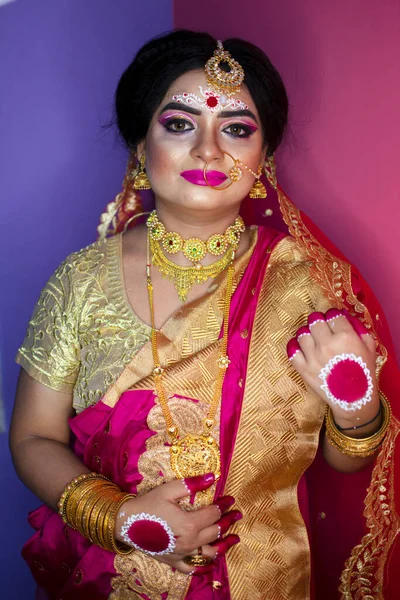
(341,64)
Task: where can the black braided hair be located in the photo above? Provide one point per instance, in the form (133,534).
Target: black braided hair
(163,59)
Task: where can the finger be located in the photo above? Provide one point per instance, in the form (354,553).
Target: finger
(306,340)
(295,354)
(207,516)
(358,327)
(203,570)
(188,486)
(210,551)
(319,328)
(218,529)
(224,503)
(332,314)
(338,322)
(293,348)
(222,546)
(203,517)
(189,570)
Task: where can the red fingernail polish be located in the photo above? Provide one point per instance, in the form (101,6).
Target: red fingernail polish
(224,503)
(209,478)
(199,483)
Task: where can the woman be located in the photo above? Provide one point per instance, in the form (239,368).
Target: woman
(193,359)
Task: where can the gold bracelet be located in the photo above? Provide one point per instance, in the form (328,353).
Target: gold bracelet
(97,516)
(85,492)
(102,520)
(115,546)
(80,496)
(90,504)
(70,487)
(93,519)
(358,447)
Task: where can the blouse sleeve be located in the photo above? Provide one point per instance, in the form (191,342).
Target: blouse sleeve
(50,351)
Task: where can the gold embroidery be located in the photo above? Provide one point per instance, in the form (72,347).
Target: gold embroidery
(277,440)
(194,327)
(364,571)
(190,352)
(367,560)
(332,273)
(83,332)
(141,574)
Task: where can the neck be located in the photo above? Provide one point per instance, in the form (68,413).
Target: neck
(196,223)
(199,224)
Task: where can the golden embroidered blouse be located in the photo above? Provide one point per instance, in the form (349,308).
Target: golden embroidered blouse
(83,330)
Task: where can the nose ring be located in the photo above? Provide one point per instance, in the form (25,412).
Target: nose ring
(235,173)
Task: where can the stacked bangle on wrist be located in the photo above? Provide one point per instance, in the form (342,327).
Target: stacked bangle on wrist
(90,504)
(358,447)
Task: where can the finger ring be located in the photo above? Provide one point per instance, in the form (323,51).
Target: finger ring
(198,560)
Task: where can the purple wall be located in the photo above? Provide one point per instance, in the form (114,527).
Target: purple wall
(58,169)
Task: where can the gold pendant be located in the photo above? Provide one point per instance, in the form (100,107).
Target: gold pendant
(195,455)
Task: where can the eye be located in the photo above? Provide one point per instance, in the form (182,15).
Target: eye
(239,130)
(178,125)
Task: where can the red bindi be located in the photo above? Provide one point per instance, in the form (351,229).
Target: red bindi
(212,101)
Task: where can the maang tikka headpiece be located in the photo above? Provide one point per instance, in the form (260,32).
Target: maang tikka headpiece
(222,84)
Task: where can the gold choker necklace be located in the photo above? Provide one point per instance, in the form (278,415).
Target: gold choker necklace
(194,249)
(199,453)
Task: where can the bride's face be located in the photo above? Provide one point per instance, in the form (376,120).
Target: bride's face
(182,138)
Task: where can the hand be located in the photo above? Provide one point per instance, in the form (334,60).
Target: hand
(327,336)
(186,531)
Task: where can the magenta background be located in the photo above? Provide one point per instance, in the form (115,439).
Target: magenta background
(60,62)
(340,62)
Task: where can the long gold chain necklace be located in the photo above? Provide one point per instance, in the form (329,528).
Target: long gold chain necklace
(194,454)
(194,250)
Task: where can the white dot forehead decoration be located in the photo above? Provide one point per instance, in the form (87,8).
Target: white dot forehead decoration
(210,100)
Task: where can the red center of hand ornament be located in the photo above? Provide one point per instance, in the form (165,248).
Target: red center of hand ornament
(149,535)
(347,381)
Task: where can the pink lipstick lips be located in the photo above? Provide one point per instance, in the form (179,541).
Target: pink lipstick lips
(196,176)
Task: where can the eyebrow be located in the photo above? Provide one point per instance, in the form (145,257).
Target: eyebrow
(182,107)
(195,111)
(237,113)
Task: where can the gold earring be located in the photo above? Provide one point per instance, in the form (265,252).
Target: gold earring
(141,181)
(258,189)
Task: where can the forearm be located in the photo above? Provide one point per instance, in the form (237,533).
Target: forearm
(349,425)
(342,462)
(46,467)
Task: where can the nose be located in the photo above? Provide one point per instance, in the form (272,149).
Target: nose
(206,148)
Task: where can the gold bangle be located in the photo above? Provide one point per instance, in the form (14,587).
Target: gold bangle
(109,494)
(96,509)
(102,521)
(79,498)
(114,545)
(358,447)
(70,487)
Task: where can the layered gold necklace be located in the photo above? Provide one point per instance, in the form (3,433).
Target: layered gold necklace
(194,249)
(198,453)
